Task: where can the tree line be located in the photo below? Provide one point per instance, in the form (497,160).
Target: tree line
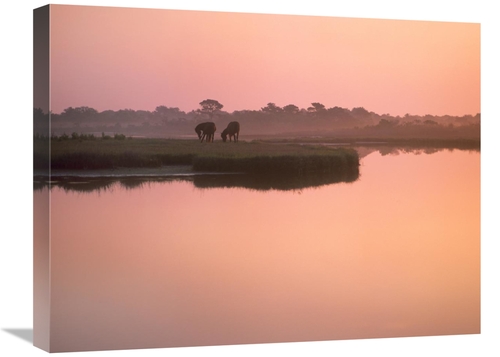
(270,119)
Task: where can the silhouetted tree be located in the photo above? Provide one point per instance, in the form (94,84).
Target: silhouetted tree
(272,108)
(339,112)
(162,113)
(360,112)
(291,109)
(79,113)
(316,108)
(126,115)
(107,116)
(387,124)
(210,107)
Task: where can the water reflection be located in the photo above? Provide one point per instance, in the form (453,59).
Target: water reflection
(247,181)
(252,182)
(395,254)
(276,182)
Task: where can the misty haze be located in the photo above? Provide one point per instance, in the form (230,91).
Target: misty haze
(270,120)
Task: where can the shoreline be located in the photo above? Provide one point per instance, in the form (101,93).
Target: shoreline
(126,172)
(103,179)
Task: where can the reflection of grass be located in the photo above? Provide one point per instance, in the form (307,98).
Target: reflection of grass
(255,157)
(260,182)
(282,182)
(76,185)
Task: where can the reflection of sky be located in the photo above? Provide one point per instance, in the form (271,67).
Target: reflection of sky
(395,254)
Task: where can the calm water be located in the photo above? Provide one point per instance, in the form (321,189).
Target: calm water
(394,253)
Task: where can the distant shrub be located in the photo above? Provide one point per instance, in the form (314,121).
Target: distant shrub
(86,137)
(120,137)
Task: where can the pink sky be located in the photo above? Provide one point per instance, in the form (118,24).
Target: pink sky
(118,58)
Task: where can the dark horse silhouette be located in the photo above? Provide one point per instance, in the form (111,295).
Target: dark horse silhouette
(206,130)
(233,130)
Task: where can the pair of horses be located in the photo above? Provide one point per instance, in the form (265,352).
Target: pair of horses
(206,131)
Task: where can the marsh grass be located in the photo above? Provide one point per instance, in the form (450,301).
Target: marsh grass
(299,164)
(246,157)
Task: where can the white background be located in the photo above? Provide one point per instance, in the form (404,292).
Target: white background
(17,190)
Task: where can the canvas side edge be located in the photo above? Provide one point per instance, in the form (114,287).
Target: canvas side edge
(41,167)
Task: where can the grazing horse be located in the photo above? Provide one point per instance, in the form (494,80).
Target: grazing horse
(233,130)
(199,129)
(206,130)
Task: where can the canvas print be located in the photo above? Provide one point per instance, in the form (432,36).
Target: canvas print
(209,178)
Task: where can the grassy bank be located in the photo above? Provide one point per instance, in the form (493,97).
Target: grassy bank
(247,157)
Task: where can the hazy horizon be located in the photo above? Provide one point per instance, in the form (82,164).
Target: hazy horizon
(223,110)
